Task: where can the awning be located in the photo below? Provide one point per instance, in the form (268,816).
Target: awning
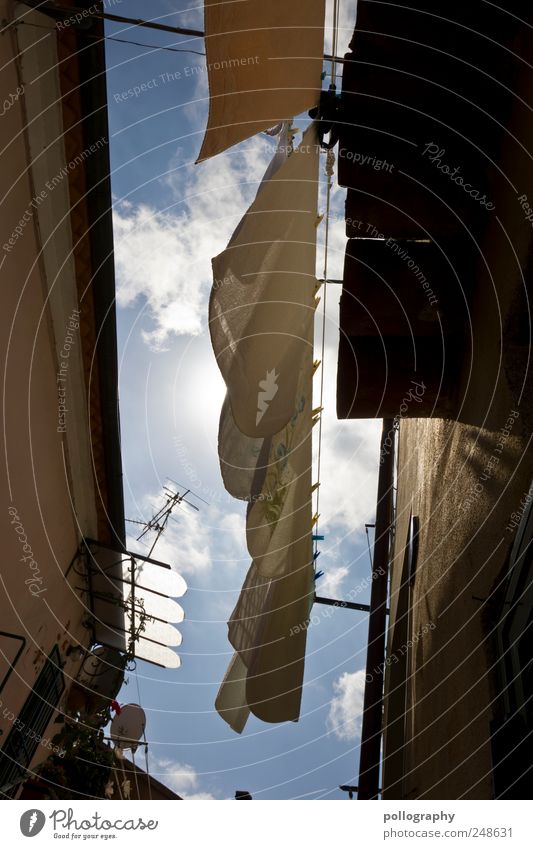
(131,599)
(264,61)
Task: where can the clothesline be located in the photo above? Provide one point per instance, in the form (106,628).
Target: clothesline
(329,176)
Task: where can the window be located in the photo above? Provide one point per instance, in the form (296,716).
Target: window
(23,739)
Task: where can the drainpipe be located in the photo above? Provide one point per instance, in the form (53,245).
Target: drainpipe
(371,733)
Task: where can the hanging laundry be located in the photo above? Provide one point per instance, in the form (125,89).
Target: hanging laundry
(231,701)
(243,459)
(264,64)
(273,475)
(261,321)
(268,629)
(275,675)
(262,301)
(278,523)
(268,626)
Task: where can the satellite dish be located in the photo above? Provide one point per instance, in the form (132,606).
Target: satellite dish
(128,727)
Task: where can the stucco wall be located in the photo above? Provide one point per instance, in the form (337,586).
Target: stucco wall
(47,501)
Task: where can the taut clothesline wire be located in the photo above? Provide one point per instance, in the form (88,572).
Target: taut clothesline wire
(329,174)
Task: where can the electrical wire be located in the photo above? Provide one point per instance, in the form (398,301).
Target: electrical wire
(114,38)
(151,46)
(138,22)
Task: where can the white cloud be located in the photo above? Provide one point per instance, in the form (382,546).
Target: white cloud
(346,708)
(163,257)
(148,254)
(330,584)
(181,778)
(345,28)
(349,456)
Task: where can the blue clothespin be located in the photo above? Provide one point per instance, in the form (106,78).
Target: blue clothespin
(315,555)
(316,537)
(318,575)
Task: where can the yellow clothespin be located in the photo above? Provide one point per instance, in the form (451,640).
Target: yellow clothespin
(316,364)
(315,486)
(316,517)
(319,219)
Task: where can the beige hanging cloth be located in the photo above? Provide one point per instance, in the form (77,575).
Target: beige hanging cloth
(261,321)
(231,699)
(268,626)
(273,476)
(262,301)
(275,675)
(281,516)
(244,631)
(264,62)
(243,459)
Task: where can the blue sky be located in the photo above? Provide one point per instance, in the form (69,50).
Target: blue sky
(171,217)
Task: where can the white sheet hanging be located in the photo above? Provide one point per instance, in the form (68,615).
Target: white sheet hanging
(261,321)
(268,626)
(243,459)
(280,516)
(262,301)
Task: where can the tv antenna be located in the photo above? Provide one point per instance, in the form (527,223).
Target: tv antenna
(158,522)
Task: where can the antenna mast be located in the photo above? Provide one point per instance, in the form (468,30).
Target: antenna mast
(159,520)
